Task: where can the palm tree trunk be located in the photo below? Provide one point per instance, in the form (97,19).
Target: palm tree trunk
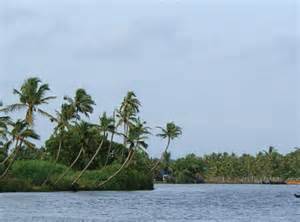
(7,158)
(130,159)
(56,159)
(131,152)
(125,140)
(13,159)
(70,167)
(109,149)
(58,151)
(90,162)
(162,156)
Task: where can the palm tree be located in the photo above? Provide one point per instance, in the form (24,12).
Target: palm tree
(170,133)
(137,135)
(83,129)
(20,133)
(82,103)
(130,106)
(31,95)
(4,143)
(62,120)
(106,124)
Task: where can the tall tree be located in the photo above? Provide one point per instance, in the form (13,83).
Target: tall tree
(106,124)
(82,103)
(62,121)
(130,106)
(137,135)
(170,133)
(32,95)
(20,134)
(83,129)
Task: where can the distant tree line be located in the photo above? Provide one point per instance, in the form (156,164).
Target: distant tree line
(265,167)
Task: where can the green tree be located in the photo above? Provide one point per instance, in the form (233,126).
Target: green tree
(106,125)
(170,133)
(137,135)
(83,129)
(31,96)
(20,134)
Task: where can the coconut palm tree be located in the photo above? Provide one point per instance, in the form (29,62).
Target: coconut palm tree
(137,135)
(83,129)
(31,95)
(170,133)
(106,124)
(82,103)
(4,143)
(130,106)
(4,120)
(20,134)
(62,121)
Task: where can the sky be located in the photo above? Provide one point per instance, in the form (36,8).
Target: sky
(226,71)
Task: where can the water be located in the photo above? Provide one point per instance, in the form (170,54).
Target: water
(174,203)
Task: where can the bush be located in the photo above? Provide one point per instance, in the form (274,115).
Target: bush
(35,171)
(28,175)
(15,185)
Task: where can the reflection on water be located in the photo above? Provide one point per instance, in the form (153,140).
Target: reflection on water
(166,203)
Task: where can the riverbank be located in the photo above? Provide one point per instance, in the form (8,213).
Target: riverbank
(29,175)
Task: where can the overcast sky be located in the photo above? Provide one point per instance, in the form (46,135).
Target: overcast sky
(226,71)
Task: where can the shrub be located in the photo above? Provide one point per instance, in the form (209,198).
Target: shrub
(35,171)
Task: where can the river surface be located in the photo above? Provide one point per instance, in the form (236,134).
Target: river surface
(207,203)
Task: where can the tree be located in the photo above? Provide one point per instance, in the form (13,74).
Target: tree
(31,96)
(137,135)
(20,134)
(83,128)
(170,133)
(82,103)
(106,124)
(130,106)
(62,121)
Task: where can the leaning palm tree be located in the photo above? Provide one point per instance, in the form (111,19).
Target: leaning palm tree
(137,135)
(62,121)
(106,124)
(20,133)
(130,106)
(31,95)
(4,143)
(82,103)
(83,128)
(170,133)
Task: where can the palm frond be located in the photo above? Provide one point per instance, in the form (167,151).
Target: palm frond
(13,108)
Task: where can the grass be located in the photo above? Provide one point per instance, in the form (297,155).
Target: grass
(28,176)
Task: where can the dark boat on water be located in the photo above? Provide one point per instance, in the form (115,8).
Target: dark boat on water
(297,195)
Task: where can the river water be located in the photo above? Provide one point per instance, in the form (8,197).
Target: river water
(207,203)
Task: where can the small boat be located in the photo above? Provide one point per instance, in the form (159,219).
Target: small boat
(297,195)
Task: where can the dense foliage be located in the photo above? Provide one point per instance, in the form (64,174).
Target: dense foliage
(79,154)
(267,166)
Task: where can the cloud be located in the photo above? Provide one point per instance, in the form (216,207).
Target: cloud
(225,71)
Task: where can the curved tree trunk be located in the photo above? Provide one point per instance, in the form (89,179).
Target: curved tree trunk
(70,167)
(119,170)
(130,159)
(109,149)
(90,162)
(56,159)
(13,159)
(7,158)
(162,156)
